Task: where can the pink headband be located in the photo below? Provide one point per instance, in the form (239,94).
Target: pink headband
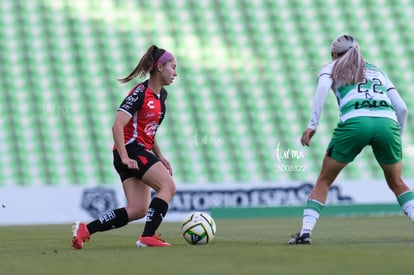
(164,58)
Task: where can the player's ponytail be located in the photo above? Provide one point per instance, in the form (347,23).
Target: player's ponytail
(350,64)
(146,64)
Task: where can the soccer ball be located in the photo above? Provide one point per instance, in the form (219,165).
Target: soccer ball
(198,228)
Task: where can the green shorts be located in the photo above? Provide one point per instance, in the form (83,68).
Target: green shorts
(351,136)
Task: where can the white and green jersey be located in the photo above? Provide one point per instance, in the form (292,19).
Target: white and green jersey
(375,96)
(367,98)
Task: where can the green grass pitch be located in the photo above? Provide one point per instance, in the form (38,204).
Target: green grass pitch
(352,245)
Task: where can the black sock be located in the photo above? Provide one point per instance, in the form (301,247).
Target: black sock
(156,212)
(112,219)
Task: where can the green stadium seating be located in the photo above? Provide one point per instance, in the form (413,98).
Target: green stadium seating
(247,72)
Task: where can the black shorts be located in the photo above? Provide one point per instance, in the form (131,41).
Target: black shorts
(144,158)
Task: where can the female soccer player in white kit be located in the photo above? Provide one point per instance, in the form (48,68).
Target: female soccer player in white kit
(371,113)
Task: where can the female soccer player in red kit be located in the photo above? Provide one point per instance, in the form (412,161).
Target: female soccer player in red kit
(137,156)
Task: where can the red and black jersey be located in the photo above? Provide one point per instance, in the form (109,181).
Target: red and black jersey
(147,110)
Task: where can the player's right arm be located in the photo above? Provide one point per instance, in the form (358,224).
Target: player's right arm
(121,119)
(307,136)
(131,104)
(319,99)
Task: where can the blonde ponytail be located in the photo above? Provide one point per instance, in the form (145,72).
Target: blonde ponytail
(350,64)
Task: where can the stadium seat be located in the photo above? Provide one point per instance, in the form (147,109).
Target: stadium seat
(246,76)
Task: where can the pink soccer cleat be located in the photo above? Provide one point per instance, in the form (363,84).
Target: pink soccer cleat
(80,235)
(152,241)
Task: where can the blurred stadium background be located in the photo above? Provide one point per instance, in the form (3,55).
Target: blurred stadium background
(247,72)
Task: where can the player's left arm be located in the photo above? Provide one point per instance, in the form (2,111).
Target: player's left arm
(157,151)
(398,103)
(400,108)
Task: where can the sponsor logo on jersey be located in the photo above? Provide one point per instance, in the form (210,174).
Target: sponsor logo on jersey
(132,98)
(371,104)
(151,128)
(150,104)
